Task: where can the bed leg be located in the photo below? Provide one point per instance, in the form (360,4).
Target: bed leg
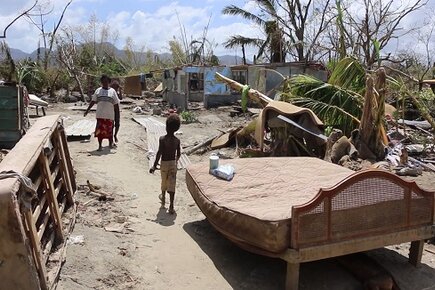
(416,252)
(292,279)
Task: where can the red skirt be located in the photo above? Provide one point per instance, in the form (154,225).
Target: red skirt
(104,129)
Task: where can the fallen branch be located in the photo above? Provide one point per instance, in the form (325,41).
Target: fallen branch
(253,94)
(201,145)
(96,189)
(26,12)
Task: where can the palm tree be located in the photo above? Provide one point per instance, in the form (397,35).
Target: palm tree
(274,37)
(239,40)
(338,102)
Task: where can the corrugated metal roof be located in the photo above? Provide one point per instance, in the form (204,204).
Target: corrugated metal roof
(155,129)
(81,128)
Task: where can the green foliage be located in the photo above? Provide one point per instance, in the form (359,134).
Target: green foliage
(377,49)
(214,60)
(337,103)
(30,75)
(348,73)
(179,56)
(272,46)
(245,97)
(188,117)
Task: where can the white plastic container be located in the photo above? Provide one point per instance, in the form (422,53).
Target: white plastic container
(214,161)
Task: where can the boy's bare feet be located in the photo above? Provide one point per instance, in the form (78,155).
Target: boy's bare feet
(171,209)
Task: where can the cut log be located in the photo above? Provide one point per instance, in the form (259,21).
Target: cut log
(255,95)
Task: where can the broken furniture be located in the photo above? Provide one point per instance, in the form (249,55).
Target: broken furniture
(34,227)
(303,209)
(295,131)
(14,120)
(37,102)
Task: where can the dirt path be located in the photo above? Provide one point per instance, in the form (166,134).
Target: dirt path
(159,251)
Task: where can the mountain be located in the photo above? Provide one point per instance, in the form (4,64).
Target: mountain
(230,60)
(18,55)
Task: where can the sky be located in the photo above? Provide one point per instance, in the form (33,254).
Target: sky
(152,23)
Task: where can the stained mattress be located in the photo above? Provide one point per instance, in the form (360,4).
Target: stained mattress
(255,207)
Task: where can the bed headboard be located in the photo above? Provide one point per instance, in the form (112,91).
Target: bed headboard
(364,204)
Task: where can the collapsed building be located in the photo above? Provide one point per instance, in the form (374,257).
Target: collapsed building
(198,83)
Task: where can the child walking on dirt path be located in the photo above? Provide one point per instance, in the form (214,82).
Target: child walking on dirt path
(169,151)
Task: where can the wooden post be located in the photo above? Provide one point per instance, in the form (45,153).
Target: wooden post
(64,167)
(51,196)
(416,252)
(36,248)
(292,278)
(67,156)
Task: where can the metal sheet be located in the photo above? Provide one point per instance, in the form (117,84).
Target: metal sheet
(82,128)
(155,129)
(211,85)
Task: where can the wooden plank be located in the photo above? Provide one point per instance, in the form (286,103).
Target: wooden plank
(52,156)
(62,205)
(55,172)
(64,167)
(58,188)
(39,207)
(47,213)
(357,245)
(67,157)
(44,224)
(36,248)
(52,202)
(54,272)
(37,183)
(48,247)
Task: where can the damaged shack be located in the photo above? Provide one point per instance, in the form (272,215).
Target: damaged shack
(198,83)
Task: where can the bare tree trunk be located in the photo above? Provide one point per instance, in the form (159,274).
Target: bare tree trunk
(79,84)
(244,54)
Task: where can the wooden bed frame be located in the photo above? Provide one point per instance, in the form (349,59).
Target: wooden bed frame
(368,210)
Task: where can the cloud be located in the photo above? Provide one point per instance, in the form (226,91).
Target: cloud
(155,29)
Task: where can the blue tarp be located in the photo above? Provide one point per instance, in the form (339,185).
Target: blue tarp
(211,85)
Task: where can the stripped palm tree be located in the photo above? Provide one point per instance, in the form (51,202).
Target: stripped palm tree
(274,37)
(239,40)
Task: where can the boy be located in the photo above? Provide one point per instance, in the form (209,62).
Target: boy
(170,152)
(107,108)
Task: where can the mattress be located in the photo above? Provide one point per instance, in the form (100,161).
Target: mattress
(255,207)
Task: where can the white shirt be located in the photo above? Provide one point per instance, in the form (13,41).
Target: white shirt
(105,100)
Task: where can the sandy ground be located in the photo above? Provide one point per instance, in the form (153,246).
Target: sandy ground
(154,250)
